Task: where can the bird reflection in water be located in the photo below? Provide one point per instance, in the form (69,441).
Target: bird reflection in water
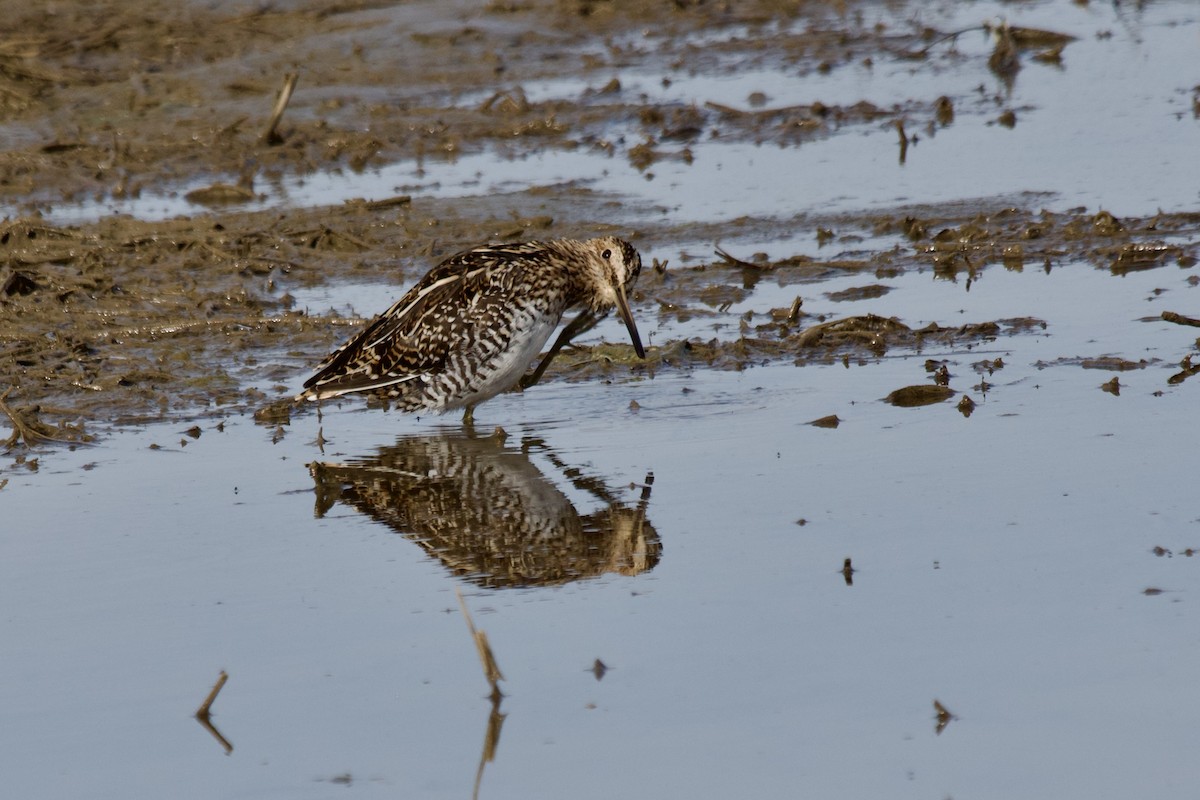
(486,511)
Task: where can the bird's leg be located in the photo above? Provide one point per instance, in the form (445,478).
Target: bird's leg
(581,324)
(469,417)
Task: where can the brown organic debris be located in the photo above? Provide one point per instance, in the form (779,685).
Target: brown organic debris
(203,713)
(30,430)
(922,394)
(1187,370)
(859,293)
(220,194)
(1180,319)
(944,716)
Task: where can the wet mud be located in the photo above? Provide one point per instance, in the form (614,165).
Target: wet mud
(123,320)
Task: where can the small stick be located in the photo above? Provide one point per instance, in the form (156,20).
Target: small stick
(734,261)
(202,711)
(724,109)
(925,50)
(270,135)
(1170,316)
(794,312)
(903,140)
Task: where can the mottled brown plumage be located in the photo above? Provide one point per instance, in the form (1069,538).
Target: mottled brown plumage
(472,326)
(490,514)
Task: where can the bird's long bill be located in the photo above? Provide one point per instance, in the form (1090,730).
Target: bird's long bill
(627,318)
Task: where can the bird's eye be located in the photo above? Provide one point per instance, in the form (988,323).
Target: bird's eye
(606,255)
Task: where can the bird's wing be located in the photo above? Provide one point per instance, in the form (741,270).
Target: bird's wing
(418,333)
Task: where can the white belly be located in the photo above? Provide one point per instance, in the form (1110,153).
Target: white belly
(502,371)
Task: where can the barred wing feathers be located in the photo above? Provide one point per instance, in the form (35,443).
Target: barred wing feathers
(452,308)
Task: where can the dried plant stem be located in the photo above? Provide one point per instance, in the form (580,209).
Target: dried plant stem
(203,711)
(490,669)
(271,135)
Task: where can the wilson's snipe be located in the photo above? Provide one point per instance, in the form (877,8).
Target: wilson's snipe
(471,327)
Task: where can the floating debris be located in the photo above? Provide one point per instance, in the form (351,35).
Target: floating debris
(871,292)
(203,713)
(922,394)
(1180,319)
(220,194)
(1105,224)
(1114,363)
(1187,370)
(1036,37)
(943,111)
(944,717)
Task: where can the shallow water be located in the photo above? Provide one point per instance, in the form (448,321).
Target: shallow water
(1003,559)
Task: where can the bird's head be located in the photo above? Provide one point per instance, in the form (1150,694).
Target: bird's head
(613,268)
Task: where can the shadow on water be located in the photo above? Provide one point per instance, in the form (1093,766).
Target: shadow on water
(489,514)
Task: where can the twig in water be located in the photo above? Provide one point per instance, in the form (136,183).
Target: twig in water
(202,714)
(271,135)
(203,710)
(924,51)
(737,262)
(1168,316)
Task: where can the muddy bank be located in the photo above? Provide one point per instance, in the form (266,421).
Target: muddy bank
(106,100)
(124,320)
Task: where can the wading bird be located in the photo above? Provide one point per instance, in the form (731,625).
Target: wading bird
(471,327)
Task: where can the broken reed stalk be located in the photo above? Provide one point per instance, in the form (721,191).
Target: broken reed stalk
(490,669)
(1168,316)
(271,135)
(924,51)
(903,140)
(734,261)
(203,710)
